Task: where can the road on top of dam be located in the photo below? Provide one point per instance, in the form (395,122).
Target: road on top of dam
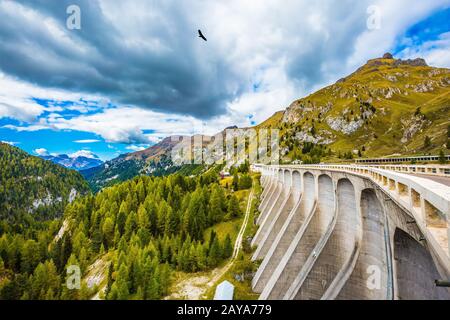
(438,179)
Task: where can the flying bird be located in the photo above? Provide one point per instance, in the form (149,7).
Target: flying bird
(200,34)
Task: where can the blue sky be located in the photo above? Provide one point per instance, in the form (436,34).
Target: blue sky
(427,30)
(136,72)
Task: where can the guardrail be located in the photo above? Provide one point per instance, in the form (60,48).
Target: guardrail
(434,170)
(400,159)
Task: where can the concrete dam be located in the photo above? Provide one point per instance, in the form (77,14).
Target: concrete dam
(350,232)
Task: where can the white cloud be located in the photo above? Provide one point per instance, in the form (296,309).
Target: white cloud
(396,17)
(11,143)
(127,124)
(83,153)
(87,141)
(16,99)
(41,152)
(136,148)
(435,52)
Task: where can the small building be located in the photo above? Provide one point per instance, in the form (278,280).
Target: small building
(224,174)
(224,291)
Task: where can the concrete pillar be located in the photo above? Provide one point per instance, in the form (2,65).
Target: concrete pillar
(372,257)
(416,270)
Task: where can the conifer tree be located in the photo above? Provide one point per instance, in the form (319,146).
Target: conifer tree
(227,247)
(170,223)
(215,207)
(233,208)
(142,216)
(108,231)
(109,279)
(122,283)
(235,183)
(124,210)
(215,253)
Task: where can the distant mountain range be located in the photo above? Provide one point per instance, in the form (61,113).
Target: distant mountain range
(75,161)
(155,160)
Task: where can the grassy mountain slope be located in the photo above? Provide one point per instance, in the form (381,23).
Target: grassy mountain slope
(386,107)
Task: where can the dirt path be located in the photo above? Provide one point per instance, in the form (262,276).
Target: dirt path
(195,288)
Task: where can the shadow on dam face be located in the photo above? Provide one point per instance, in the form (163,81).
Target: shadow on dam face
(273,194)
(287,179)
(415,270)
(296,183)
(372,254)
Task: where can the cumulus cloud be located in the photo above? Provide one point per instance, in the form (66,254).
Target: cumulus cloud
(132,125)
(41,152)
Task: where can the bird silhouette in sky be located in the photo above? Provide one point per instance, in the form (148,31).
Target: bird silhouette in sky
(200,34)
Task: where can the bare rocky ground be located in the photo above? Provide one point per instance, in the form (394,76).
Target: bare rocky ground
(96,276)
(195,287)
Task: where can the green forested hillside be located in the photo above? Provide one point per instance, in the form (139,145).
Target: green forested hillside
(30,185)
(143,229)
(124,168)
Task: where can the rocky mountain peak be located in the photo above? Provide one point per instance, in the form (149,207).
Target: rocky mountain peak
(418,62)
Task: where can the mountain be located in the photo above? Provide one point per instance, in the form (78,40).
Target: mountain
(155,160)
(76,162)
(386,107)
(31,185)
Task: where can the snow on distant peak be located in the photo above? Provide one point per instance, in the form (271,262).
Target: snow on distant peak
(83,153)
